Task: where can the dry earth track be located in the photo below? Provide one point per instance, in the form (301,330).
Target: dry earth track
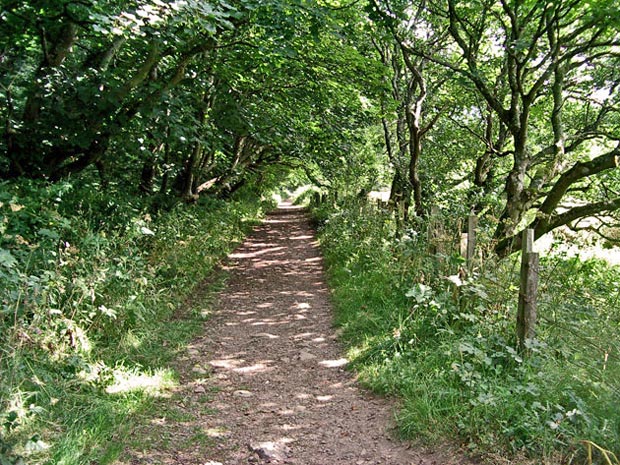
(267,382)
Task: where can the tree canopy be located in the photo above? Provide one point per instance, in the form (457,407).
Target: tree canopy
(508,107)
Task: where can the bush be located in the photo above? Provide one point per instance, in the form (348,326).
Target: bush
(88,280)
(446,344)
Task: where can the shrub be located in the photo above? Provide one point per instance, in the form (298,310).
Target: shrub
(445,343)
(88,280)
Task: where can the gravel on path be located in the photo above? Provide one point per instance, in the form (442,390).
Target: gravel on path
(267,382)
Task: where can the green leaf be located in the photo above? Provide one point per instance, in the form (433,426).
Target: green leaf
(48,233)
(6,259)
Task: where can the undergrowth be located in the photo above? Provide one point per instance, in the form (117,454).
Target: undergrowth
(445,342)
(91,281)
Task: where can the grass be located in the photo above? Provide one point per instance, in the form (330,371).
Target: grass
(101,305)
(449,352)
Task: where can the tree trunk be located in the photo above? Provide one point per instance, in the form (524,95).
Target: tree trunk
(188,171)
(206,161)
(518,198)
(414,176)
(103,178)
(147,177)
(55,50)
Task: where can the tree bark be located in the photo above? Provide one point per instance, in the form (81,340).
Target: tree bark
(163,188)
(55,50)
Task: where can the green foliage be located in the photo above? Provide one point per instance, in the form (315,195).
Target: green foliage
(445,344)
(189,96)
(90,281)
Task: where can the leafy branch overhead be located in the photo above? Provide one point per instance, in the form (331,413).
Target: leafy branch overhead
(80,76)
(506,108)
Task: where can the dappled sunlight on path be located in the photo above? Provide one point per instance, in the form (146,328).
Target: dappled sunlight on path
(269,382)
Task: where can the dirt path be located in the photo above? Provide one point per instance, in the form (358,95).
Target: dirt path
(267,383)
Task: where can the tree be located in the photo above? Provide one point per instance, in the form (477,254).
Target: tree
(410,90)
(544,55)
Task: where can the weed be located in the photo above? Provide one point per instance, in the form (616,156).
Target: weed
(94,308)
(444,341)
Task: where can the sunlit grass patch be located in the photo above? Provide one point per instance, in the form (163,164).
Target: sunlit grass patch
(157,383)
(449,351)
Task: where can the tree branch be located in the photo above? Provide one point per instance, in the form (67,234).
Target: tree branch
(580,170)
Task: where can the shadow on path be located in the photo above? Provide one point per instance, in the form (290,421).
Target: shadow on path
(267,382)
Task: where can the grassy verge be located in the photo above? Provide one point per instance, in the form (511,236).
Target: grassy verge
(446,346)
(96,307)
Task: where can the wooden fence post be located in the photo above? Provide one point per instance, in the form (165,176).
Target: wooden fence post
(526,311)
(467,245)
(463,245)
(472,223)
(433,232)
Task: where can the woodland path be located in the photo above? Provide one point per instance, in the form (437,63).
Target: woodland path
(267,382)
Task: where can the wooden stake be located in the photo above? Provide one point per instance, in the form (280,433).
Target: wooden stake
(526,312)
(528,241)
(472,223)
(463,245)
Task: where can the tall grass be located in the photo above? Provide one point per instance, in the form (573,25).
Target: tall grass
(91,284)
(446,344)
